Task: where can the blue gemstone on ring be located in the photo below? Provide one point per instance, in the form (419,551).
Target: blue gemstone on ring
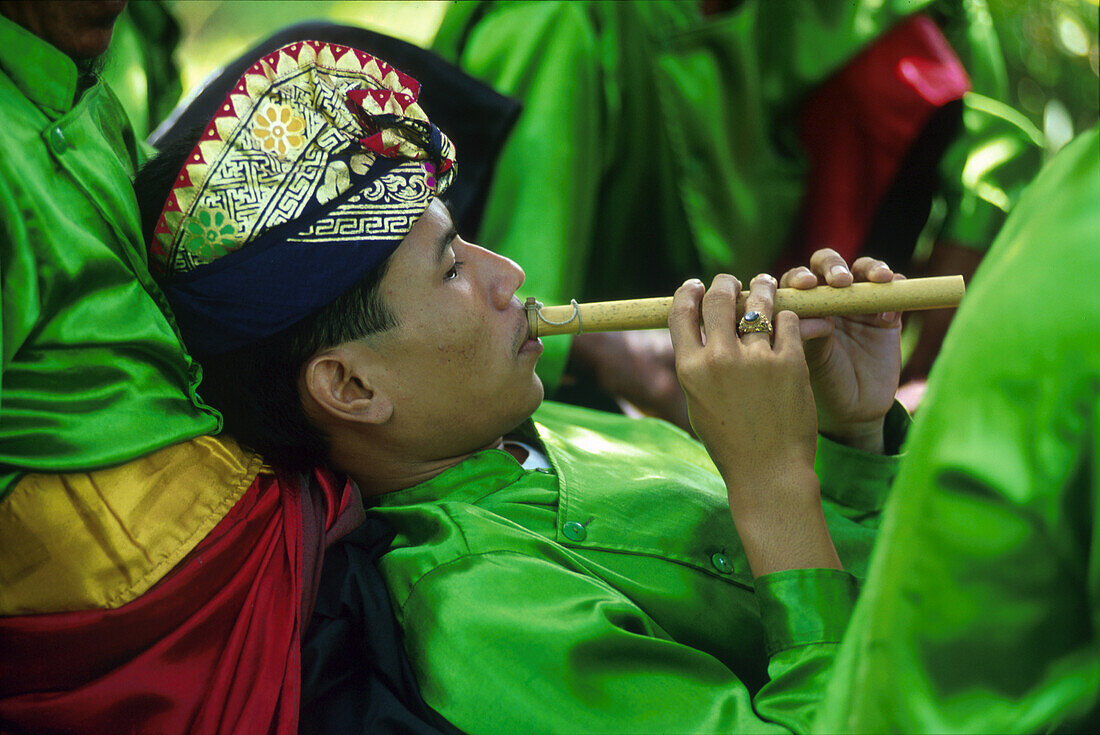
(752,316)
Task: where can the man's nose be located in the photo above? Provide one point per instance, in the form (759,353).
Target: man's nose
(505,277)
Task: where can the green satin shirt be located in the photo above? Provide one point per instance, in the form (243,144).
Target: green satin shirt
(981,612)
(93,370)
(610,593)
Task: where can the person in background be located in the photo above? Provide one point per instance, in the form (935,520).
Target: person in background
(153,576)
(980,612)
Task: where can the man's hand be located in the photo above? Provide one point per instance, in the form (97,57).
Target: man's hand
(854,361)
(750,402)
(637,367)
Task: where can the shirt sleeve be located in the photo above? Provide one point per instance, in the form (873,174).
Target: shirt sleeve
(504,642)
(858,482)
(980,610)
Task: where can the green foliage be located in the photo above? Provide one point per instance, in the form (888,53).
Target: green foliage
(1053,62)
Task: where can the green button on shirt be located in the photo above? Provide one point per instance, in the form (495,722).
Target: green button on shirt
(93,371)
(612,594)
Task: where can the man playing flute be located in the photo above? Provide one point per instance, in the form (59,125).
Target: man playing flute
(555,569)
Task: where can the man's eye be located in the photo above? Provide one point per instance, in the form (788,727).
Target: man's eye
(453,272)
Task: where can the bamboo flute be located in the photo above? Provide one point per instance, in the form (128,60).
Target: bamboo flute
(860,298)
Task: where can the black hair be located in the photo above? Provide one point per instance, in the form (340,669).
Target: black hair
(255,387)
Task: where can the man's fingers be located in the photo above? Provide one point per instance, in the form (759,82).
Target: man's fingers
(830,267)
(815,327)
(872,269)
(684,316)
(892,318)
(720,310)
(800,277)
(787,333)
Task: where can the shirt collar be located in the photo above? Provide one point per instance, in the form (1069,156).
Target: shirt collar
(475,477)
(45,75)
(472,479)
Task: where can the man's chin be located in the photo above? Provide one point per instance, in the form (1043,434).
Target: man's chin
(541,391)
(537,393)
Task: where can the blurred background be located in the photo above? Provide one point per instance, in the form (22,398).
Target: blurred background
(1053,62)
(217,30)
(1050,46)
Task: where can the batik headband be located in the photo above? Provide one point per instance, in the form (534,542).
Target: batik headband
(314,169)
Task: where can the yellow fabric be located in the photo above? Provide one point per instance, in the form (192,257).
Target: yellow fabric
(100,539)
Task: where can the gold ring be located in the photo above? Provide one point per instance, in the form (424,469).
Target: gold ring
(754,321)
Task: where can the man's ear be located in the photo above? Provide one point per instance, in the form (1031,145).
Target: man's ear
(341,383)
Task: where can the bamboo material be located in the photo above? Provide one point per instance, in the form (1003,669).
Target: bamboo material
(859,298)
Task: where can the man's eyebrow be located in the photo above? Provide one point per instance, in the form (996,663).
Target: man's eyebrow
(444,240)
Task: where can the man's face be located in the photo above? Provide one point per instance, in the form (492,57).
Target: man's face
(459,366)
(81,30)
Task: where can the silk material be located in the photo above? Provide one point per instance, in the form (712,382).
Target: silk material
(888,93)
(141,64)
(611,593)
(674,137)
(356,676)
(982,609)
(214,647)
(100,539)
(93,373)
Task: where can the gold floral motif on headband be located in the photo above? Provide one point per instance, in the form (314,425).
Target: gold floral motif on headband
(278,129)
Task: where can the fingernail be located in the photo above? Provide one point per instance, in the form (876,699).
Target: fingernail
(888,316)
(838,270)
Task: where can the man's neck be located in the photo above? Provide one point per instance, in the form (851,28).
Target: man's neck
(380,472)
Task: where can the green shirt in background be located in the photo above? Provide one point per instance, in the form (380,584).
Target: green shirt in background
(93,370)
(141,69)
(982,609)
(610,594)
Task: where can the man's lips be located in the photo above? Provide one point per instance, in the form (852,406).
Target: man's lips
(522,333)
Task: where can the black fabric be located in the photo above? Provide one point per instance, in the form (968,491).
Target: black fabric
(476,118)
(903,210)
(356,677)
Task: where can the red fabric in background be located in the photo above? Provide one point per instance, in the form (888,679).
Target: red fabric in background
(214,647)
(858,126)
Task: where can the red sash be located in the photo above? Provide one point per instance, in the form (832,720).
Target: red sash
(858,126)
(214,647)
